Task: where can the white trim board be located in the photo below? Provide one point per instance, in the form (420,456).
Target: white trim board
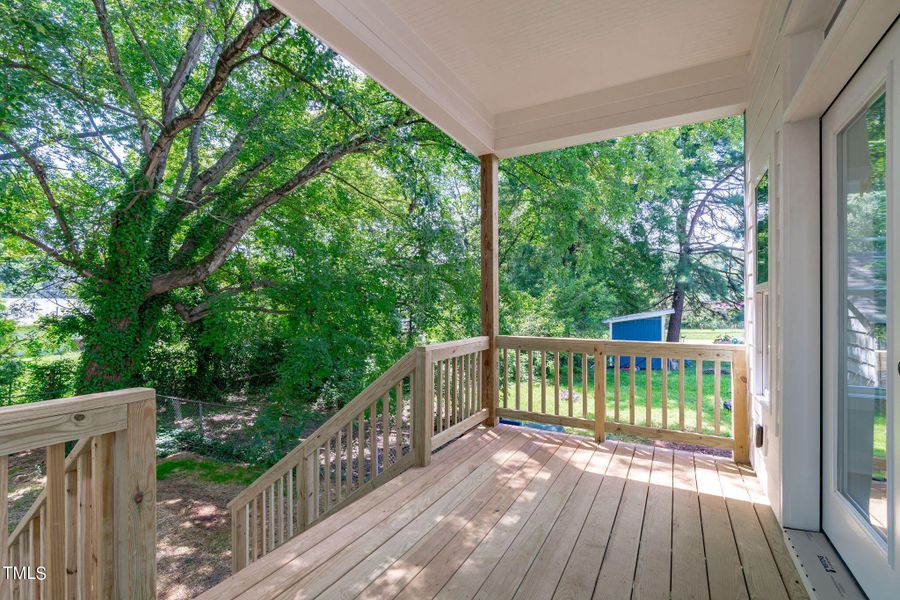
(821,569)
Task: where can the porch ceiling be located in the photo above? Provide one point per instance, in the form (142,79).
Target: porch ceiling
(519,76)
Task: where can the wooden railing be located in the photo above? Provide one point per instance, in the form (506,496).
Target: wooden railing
(92,530)
(436,393)
(456,379)
(390,426)
(687,393)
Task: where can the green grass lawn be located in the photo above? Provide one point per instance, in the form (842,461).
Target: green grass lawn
(693,336)
(640,403)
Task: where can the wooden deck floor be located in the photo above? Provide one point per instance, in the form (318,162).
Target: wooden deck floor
(517,513)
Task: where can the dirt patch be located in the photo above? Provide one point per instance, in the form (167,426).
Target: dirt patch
(27,478)
(193,550)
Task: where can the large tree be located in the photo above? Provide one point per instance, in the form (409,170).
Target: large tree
(144,141)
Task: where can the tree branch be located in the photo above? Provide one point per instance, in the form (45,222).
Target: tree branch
(40,174)
(96,133)
(194,274)
(184,68)
(225,64)
(53,253)
(115,64)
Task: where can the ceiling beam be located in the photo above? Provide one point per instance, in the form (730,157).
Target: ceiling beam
(700,93)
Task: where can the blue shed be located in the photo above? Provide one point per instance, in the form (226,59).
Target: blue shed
(640,327)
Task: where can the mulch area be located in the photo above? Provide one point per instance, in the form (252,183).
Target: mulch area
(193,549)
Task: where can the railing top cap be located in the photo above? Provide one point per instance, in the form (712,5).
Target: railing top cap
(74,404)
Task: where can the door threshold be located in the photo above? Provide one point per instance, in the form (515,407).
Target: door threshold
(824,574)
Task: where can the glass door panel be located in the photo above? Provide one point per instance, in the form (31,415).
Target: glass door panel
(862,410)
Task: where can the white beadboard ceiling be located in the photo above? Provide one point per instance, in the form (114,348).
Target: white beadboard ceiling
(518,76)
(515,53)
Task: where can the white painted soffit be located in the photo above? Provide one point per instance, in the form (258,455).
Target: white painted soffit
(552,74)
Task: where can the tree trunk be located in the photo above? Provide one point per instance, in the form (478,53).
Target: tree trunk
(673,334)
(123,320)
(682,278)
(116,344)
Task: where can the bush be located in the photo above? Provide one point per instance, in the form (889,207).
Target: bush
(49,378)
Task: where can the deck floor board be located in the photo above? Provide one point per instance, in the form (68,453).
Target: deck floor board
(518,513)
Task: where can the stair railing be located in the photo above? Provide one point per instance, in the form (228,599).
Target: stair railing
(426,399)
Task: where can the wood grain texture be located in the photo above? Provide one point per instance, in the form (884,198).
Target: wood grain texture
(490,281)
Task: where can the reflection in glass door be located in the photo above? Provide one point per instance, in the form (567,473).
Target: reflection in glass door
(862,398)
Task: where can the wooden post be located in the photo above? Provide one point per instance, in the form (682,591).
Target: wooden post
(56,522)
(239,525)
(135,503)
(740,417)
(423,407)
(490,283)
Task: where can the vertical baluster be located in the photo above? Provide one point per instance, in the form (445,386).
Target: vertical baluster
(467,384)
(473,383)
(454,408)
(439,400)
(386,431)
(254,530)
(303,484)
(104,514)
(373,440)
(264,509)
(599,395)
(617,360)
(448,395)
(504,373)
(543,381)
(339,466)
(556,383)
(279,506)
(464,382)
(699,370)
(479,380)
(472,376)
(528,380)
(361,449)
(326,487)
(272,508)
(632,371)
(73,539)
(664,365)
(717,386)
(648,390)
(681,394)
(584,384)
(34,553)
(571,383)
(289,501)
(349,484)
(398,421)
(518,377)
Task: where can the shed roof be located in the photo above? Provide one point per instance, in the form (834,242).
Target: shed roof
(641,315)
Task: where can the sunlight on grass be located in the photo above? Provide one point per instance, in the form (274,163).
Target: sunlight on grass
(547,403)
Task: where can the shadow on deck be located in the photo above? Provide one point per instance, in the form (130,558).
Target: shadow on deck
(513,512)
